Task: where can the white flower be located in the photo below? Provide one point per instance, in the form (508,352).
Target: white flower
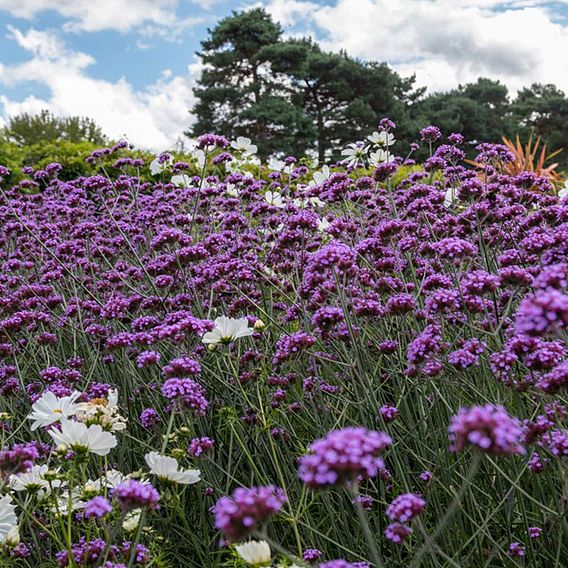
(564,191)
(79,436)
(227,330)
(168,468)
(320,177)
(255,552)
(13,536)
(157,166)
(450,197)
(131,520)
(181,180)
(381,139)
(269,271)
(64,505)
(323,225)
(276,165)
(199,155)
(275,199)
(231,190)
(8,519)
(112,479)
(354,154)
(244,144)
(50,409)
(33,480)
(102,411)
(380,156)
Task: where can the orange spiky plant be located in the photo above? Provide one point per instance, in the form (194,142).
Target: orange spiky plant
(528,159)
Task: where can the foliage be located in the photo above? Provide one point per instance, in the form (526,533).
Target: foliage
(290,96)
(27,130)
(543,109)
(528,159)
(479,111)
(236,94)
(256,84)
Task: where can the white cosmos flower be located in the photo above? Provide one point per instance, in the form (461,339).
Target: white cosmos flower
(381,139)
(275,199)
(380,156)
(255,552)
(564,191)
(276,165)
(232,190)
(181,180)
(132,520)
(64,505)
(199,155)
(244,144)
(50,409)
(157,168)
(354,154)
(8,519)
(79,436)
(227,330)
(168,468)
(323,225)
(102,411)
(33,480)
(451,196)
(320,177)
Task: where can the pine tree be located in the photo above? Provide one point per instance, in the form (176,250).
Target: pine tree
(237,94)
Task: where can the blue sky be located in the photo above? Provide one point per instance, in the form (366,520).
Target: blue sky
(131,64)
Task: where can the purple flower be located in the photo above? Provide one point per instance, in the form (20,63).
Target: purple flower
(147,358)
(542,313)
(388,413)
(397,532)
(425,476)
(535,532)
(516,550)
(489,428)
(134,494)
(237,516)
(311,555)
(343,456)
(405,507)
(96,508)
(555,380)
(199,445)
(149,418)
(340,563)
(187,393)
(430,134)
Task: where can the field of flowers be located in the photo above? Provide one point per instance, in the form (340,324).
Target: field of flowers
(361,364)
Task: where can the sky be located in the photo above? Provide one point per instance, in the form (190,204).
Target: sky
(131,64)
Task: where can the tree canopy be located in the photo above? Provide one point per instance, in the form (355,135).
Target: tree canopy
(290,95)
(27,129)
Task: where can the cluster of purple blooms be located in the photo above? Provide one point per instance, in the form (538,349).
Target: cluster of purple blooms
(237,516)
(343,456)
(489,428)
(436,273)
(133,494)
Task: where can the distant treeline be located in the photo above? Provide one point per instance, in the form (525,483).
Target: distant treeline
(290,96)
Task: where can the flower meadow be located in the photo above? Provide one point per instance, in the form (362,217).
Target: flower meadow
(351,365)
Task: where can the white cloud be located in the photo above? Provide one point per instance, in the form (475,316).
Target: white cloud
(153,118)
(96,15)
(446,42)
